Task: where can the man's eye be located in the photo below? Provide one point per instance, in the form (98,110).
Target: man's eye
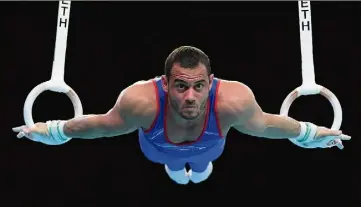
(199,86)
(180,86)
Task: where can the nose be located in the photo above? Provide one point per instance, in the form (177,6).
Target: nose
(190,96)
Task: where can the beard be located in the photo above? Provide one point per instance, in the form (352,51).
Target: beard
(190,113)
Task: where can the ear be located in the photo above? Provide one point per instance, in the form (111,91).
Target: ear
(165,83)
(211,81)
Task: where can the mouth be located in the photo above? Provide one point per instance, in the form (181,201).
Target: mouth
(190,107)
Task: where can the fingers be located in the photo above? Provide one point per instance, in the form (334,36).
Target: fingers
(22,129)
(23,132)
(335,141)
(344,137)
(18,129)
(332,132)
(323,132)
(20,135)
(339,144)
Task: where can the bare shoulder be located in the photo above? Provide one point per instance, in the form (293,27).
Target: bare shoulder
(139,100)
(233,99)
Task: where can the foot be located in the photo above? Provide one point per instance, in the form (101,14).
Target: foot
(180,176)
(197,177)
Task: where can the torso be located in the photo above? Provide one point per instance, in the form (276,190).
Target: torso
(206,138)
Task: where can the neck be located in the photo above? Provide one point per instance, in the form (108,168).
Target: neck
(176,119)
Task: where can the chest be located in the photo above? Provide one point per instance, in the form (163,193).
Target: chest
(181,134)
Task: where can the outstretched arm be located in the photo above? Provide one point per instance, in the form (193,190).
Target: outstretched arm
(242,109)
(246,116)
(253,121)
(132,110)
(125,117)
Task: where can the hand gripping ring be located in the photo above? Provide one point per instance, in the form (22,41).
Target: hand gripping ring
(55,86)
(337,110)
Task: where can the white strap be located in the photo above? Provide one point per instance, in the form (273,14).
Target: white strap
(303,131)
(307,134)
(310,133)
(56,131)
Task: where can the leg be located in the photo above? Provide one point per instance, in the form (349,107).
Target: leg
(174,167)
(200,172)
(177,172)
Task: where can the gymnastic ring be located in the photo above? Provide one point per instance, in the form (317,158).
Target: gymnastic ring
(54,86)
(336,106)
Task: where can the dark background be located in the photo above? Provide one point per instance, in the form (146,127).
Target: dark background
(113,44)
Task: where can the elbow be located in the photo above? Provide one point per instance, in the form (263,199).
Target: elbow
(260,125)
(110,125)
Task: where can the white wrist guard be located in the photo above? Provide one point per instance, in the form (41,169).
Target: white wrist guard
(56,133)
(307,134)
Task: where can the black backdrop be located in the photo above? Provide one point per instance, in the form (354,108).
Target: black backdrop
(113,44)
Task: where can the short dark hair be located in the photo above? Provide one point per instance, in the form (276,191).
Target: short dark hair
(187,57)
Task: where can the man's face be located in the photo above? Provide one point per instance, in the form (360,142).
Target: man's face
(188,90)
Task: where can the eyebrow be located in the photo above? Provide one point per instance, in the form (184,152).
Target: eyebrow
(179,80)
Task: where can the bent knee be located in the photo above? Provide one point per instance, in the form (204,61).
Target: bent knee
(197,177)
(180,176)
(198,167)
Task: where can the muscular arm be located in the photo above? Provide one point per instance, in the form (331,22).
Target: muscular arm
(250,119)
(126,116)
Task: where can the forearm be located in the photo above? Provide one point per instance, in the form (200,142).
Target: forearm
(87,127)
(274,127)
(278,127)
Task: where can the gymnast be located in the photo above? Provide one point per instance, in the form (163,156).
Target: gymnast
(183,118)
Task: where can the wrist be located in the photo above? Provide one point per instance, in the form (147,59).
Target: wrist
(303,132)
(56,130)
(60,129)
(307,132)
